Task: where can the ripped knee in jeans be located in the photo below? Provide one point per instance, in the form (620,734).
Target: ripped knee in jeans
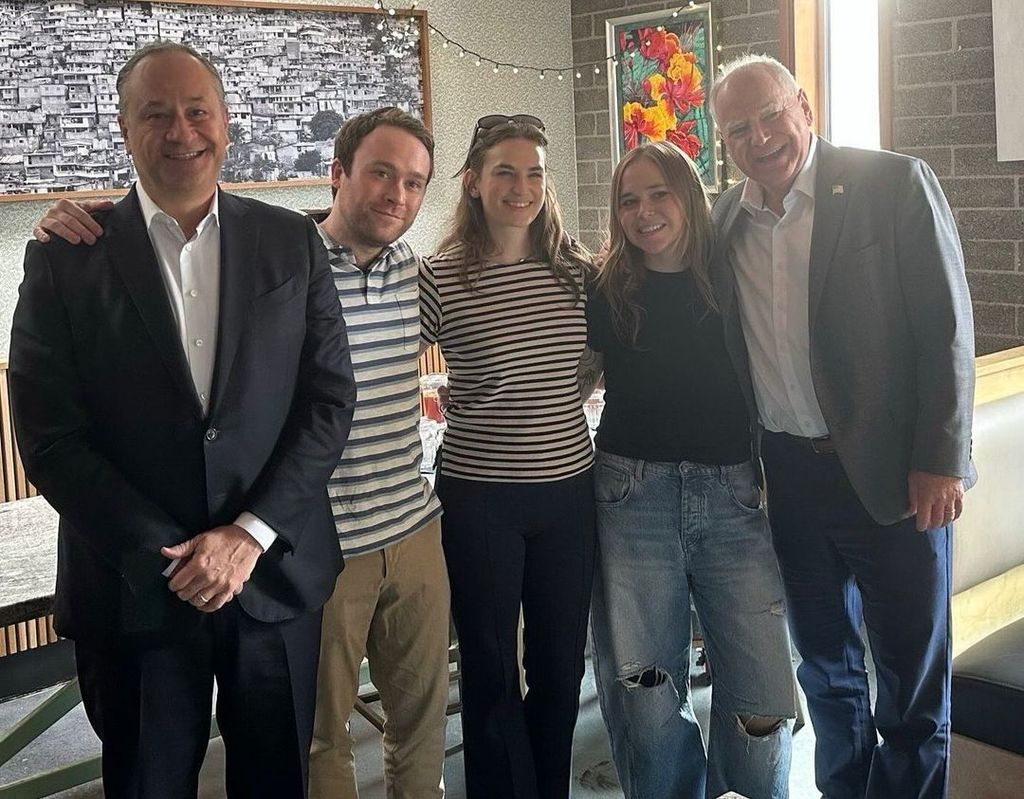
(650,677)
(759,726)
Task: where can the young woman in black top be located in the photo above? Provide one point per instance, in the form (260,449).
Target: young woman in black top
(679,509)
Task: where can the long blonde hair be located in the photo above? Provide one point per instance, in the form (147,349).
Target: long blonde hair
(570,261)
(621,274)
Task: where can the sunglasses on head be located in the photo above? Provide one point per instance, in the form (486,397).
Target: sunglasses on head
(492,121)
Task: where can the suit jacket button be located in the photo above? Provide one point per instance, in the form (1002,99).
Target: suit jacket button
(212,434)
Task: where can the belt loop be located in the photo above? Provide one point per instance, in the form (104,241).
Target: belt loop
(638,469)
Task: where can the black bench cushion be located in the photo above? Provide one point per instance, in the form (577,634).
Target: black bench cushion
(988,690)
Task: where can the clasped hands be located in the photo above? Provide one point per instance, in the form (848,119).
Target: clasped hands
(214,566)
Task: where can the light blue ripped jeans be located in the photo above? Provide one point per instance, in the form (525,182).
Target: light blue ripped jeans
(668,532)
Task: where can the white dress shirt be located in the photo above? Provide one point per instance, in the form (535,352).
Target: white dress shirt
(772,258)
(191,272)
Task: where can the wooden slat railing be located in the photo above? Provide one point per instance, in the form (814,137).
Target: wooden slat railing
(27,635)
(15,484)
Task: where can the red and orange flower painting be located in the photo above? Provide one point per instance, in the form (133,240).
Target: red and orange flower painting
(661,82)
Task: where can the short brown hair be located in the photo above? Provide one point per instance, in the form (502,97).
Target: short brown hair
(360,126)
(164,46)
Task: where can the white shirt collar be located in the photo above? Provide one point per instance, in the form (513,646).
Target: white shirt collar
(752,198)
(150,210)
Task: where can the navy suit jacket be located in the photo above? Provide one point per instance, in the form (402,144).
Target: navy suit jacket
(112,433)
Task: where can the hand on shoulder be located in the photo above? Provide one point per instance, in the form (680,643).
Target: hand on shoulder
(72,221)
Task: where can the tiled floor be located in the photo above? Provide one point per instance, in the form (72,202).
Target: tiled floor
(593,774)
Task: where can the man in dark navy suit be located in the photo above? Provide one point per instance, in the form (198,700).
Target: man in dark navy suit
(182,392)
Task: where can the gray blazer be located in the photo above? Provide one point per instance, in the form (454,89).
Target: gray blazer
(891,329)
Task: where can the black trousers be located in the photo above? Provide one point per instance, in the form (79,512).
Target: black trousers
(150,705)
(509,545)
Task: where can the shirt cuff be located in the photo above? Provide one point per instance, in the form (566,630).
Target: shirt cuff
(257,528)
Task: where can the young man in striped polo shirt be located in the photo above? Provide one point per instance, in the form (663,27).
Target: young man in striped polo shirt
(391,603)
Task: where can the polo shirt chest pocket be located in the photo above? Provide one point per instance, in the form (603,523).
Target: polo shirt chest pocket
(408,302)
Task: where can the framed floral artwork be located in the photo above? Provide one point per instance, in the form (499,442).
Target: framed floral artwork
(659,82)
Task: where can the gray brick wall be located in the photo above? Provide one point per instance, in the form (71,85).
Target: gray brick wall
(944,112)
(739,26)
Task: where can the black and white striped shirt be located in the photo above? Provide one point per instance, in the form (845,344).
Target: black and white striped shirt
(512,344)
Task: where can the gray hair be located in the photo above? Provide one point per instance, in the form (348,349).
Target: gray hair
(165,46)
(772,66)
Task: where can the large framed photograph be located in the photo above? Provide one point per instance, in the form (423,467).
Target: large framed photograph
(292,74)
(659,84)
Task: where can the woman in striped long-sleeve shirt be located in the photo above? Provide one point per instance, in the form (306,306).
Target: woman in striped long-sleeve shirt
(504,298)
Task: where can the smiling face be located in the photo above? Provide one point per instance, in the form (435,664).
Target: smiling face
(378,201)
(651,216)
(511,184)
(766,127)
(175,127)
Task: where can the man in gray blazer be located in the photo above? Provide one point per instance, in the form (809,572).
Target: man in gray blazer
(841,285)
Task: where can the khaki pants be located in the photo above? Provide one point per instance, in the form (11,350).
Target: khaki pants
(391,606)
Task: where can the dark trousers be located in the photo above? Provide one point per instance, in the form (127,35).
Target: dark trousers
(506,545)
(840,569)
(150,705)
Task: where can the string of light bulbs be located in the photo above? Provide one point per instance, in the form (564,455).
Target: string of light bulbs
(559,72)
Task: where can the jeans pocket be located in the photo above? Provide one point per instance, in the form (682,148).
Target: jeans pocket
(743,489)
(612,485)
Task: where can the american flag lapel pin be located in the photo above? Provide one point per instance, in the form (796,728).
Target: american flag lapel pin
(837,188)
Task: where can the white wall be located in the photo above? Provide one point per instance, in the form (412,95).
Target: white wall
(1008,45)
(527,31)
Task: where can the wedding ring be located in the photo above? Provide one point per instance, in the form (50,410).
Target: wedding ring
(202,599)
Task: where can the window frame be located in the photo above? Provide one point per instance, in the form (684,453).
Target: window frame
(802,48)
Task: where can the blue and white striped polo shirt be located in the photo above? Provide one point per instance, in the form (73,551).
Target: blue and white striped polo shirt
(377,492)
